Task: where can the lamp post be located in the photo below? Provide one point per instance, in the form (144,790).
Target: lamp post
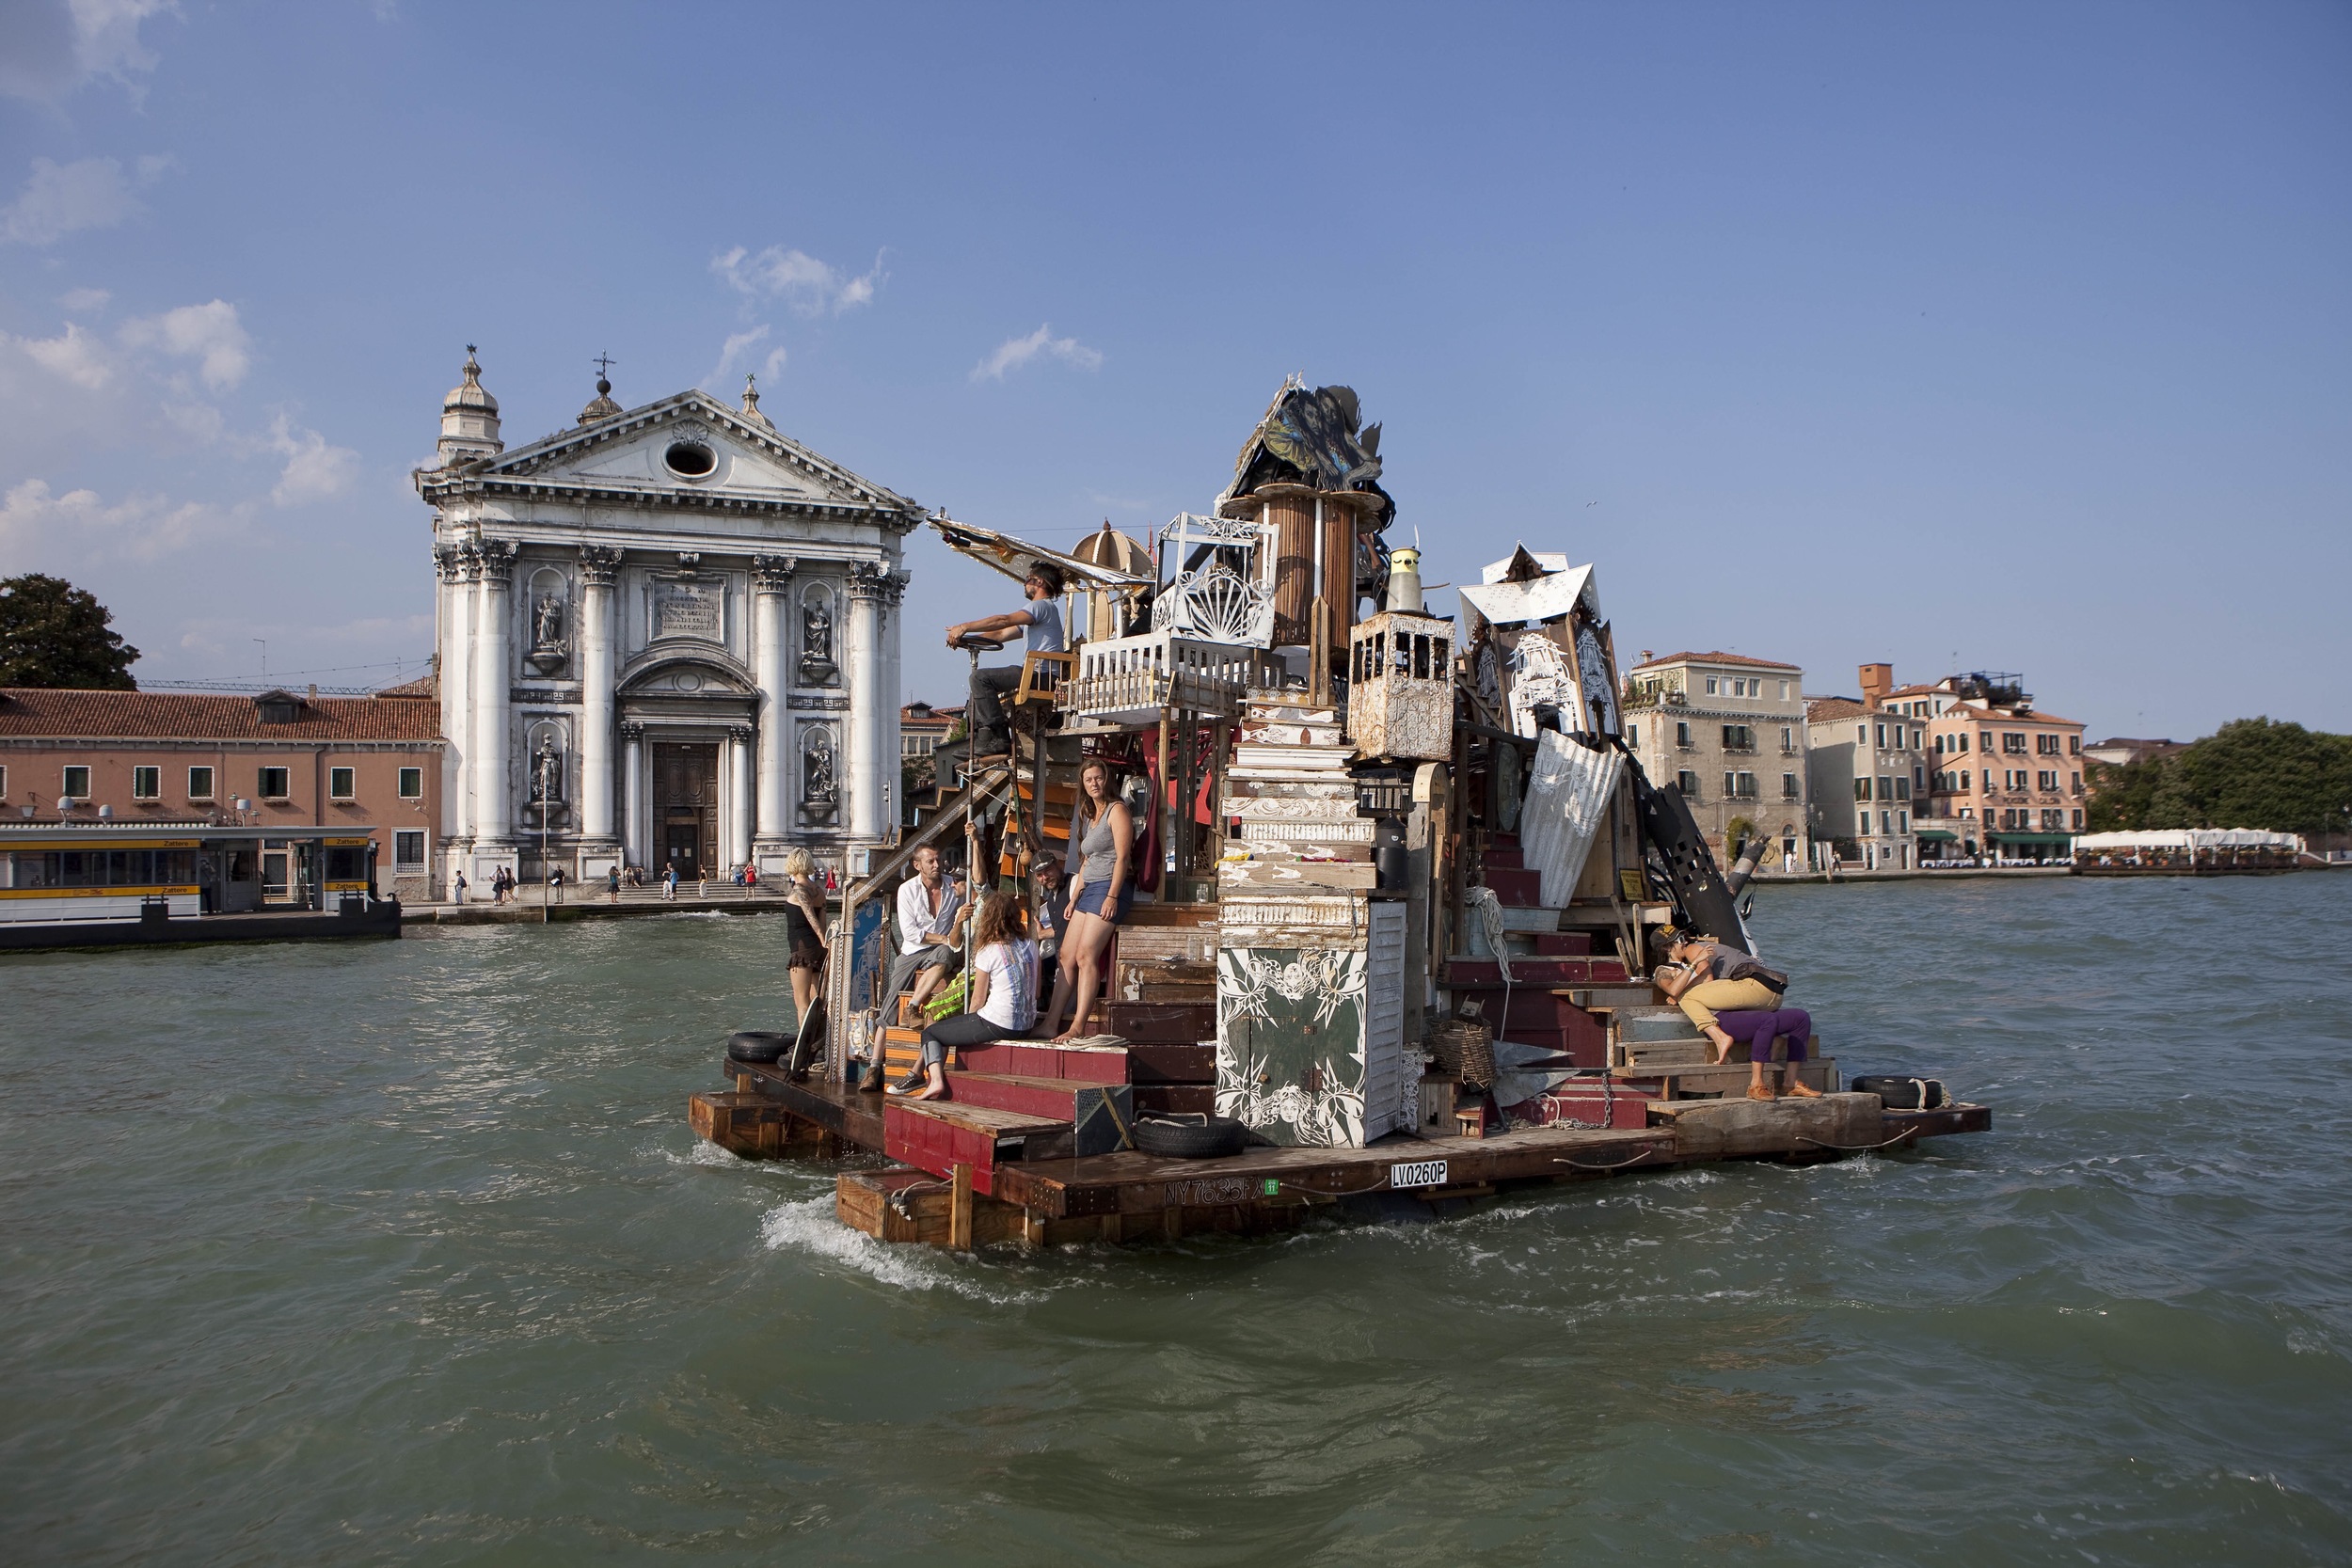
(546,801)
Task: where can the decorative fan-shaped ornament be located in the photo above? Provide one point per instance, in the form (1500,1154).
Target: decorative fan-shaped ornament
(1216,605)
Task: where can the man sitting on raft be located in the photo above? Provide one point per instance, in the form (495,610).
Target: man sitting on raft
(1712,977)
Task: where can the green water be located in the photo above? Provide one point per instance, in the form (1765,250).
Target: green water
(403,1253)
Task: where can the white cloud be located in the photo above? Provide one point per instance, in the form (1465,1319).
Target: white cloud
(85,299)
(142,526)
(1013,353)
(773,363)
(315,470)
(76,355)
(805,284)
(730,353)
(50,47)
(60,198)
(209,334)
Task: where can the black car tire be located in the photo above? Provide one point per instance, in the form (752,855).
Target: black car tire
(758,1045)
(1208,1138)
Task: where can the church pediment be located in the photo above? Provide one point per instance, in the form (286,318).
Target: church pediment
(691,451)
(689,672)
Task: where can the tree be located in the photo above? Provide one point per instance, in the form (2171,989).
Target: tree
(55,634)
(2249,773)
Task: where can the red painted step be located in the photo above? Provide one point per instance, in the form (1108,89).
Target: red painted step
(1516,890)
(1099,1114)
(1565,944)
(1509,859)
(1040,1060)
(1524,972)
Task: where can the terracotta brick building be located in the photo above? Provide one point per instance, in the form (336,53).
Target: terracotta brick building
(372,763)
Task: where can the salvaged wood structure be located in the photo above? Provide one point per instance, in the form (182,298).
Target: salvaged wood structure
(1398,881)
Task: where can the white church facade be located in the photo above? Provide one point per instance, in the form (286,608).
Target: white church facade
(667,636)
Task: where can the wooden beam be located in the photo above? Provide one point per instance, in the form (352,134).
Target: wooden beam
(960,1208)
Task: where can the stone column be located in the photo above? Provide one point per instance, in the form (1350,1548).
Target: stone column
(493,801)
(869,583)
(772,577)
(637,839)
(739,798)
(599,566)
(454,570)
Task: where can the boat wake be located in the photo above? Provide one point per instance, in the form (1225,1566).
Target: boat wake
(810,1227)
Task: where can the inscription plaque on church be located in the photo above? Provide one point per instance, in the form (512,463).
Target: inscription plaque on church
(680,610)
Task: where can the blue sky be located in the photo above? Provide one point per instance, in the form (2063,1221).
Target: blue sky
(1987,336)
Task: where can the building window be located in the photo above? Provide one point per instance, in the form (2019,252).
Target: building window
(1963,742)
(1784,691)
(1787,787)
(408,849)
(1743,785)
(1787,740)
(1688,782)
(199,783)
(1862,789)
(1738,738)
(1886,786)
(1633,735)
(76,782)
(342,783)
(4,783)
(273,784)
(147,783)
(2073,745)
(1710,685)
(1903,821)
(1882,729)
(2078,787)
(1862,735)
(412,784)
(1682,735)
(2013,740)
(1919,777)
(1865,818)
(1903,787)
(2078,821)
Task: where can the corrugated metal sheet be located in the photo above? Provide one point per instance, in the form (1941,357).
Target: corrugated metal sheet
(1391,1095)
(1567,799)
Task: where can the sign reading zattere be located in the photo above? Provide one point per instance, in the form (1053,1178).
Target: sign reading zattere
(1421,1173)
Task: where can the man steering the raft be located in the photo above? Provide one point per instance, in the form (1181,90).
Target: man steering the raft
(992,733)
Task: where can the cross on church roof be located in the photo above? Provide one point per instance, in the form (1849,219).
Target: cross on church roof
(604,363)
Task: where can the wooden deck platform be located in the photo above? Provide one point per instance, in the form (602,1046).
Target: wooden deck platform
(1054,1197)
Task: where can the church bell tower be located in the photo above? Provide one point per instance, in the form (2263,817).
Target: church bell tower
(469,419)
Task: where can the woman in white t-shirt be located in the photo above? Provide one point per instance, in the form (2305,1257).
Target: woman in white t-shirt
(1000,1005)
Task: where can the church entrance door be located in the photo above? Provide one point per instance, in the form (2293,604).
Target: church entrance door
(685,808)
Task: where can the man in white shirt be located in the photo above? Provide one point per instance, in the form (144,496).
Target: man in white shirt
(927,912)
(1039,622)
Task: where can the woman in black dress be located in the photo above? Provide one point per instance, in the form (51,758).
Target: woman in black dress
(804,920)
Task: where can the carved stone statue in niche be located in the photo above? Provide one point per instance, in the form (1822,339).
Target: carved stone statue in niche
(819,793)
(546,771)
(816,664)
(547,634)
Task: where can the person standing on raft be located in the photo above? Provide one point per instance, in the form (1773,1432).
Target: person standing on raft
(1715,978)
(1098,899)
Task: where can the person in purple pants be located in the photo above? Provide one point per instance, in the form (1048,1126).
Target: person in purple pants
(1760,1029)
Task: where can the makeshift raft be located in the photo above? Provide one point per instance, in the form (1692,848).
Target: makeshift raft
(965,1174)
(1397,881)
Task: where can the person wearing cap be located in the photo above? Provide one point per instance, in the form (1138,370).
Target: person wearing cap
(1039,622)
(1708,977)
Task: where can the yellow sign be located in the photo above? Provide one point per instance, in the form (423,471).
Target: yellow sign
(1630,884)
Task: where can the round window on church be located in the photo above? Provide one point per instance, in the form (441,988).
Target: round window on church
(690,459)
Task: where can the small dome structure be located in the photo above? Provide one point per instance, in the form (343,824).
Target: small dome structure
(469,419)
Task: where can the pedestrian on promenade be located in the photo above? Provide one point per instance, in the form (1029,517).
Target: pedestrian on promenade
(612,882)
(668,882)
(555,880)
(457,889)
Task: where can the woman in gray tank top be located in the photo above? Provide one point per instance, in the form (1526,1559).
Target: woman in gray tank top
(1098,898)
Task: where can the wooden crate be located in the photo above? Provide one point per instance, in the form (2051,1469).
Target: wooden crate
(939,1135)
